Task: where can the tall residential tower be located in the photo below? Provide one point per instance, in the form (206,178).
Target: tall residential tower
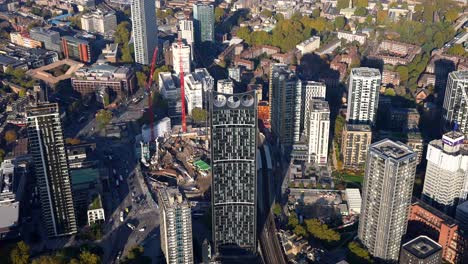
(446,180)
(175,218)
(285,104)
(363,95)
(203,19)
(386,198)
(234,184)
(51,167)
(455,108)
(144,29)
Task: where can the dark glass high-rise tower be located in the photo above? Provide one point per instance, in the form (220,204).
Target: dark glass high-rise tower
(233,158)
(50,161)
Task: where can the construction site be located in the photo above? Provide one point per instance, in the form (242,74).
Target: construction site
(170,155)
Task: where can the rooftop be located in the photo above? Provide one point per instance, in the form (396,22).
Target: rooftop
(365,72)
(358,127)
(422,247)
(459,75)
(96,203)
(391,149)
(84,176)
(10,214)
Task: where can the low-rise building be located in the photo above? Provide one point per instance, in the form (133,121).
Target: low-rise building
(95,210)
(76,48)
(12,184)
(99,21)
(351,37)
(48,37)
(355,143)
(309,45)
(353,200)
(24,40)
(390,78)
(426,220)
(120,80)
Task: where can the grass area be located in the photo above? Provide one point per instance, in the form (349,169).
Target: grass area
(354,178)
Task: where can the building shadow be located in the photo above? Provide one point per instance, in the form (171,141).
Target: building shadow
(442,68)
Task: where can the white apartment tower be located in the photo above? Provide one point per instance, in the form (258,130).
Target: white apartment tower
(446,180)
(181,54)
(363,95)
(144,30)
(319,132)
(310,91)
(175,218)
(455,108)
(193,93)
(186,33)
(386,198)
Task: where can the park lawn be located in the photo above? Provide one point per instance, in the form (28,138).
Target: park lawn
(354,178)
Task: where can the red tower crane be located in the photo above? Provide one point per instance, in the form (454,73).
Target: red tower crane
(182,88)
(148,90)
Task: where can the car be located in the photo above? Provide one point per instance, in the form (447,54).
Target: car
(127,209)
(117,183)
(133,194)
(114,171)
(132,227)
(121,216)
(142,229)
(120,177)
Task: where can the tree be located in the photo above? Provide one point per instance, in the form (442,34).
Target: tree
(451,15)
(300,231)
(20,254)
(89,258)
(11,136)
(219,14)
(439,39)
(390,92)
(47,260)
(141,79)
(244,33)
(321,231)
(266,13)
(277,209)
(382,16)
(342,4)
(156,72)
(361,3)
(357,254)
(75,21)
(135,255)
(403,71)
(293,221)
(340,22)
(2,154)
(360,11)
(457,50)
(103,117)
(199,115)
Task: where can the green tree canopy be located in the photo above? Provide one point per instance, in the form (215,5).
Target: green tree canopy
(46,259)
(357,254)
(360,11)
(390,92)
(299,230)
(266,13)
(141,79)
(403,71)
(321,231)
(451,15)
(340,22)
(199,115)
(277,209)
(293,221)
(219,14)
(89,258)
(20,254)
(457,50)
(103,117)
(163,68)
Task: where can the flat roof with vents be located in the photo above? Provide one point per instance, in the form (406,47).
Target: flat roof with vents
(422,247)
(392,149)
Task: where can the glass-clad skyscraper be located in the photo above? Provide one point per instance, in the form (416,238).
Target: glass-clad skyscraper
(203,21)
(233,157)
(50,162)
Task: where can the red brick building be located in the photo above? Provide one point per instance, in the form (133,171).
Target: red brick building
(426,220)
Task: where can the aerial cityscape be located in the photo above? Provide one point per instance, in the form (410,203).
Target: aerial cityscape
(233,131)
